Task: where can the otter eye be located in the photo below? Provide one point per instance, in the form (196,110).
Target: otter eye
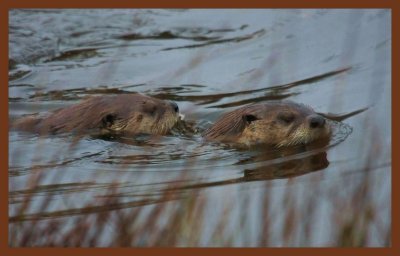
(286,118)
(249,118)
(108,120)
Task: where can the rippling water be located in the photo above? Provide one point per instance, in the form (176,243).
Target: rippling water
(178,190)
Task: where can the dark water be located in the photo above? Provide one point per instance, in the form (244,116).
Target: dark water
(209,62)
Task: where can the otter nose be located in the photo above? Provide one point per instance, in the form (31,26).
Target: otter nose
(174,106)
(317,121)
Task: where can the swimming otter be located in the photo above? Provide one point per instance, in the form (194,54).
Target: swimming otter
(122,114)
(277,124)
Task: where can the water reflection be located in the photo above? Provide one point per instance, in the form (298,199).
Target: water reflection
(282,168)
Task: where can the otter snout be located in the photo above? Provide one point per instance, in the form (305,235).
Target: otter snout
(316,121)
(174,106)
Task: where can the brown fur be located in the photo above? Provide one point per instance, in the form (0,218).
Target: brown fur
(274,123)
(123,113)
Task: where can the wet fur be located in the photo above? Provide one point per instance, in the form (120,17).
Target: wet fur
(125,113)
(259,124)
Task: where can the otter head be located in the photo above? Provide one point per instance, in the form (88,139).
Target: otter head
(277,124)
(133,114)
(123,113)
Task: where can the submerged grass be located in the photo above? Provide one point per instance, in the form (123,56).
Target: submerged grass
(190,218)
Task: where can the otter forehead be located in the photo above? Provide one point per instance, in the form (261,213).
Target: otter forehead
(129,100)
(126,104)
(271,109)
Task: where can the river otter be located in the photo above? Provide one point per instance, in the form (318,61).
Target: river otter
(122,114)
(277,124)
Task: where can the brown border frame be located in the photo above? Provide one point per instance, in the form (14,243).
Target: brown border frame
(5,5)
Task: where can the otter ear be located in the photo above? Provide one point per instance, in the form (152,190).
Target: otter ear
(108,120)
(248,118)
